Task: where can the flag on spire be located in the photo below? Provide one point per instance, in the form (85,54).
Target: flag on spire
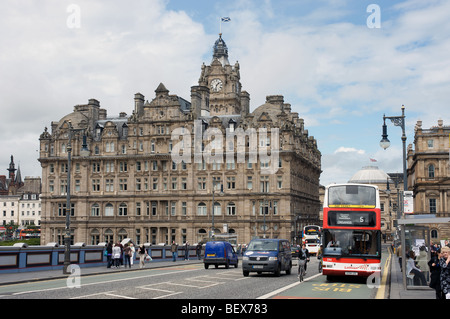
(226,19)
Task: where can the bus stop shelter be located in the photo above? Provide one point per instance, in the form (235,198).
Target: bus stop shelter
(415,233)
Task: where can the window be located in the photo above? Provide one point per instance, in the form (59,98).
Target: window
(109,210)
(430,143)
(123,184)
(201,209)
(264,184)
(109,185)
(95,185)
(173,207)
(432,202)
(123,209)
(231,209)
(249,182)
(95,210)
(431,171)
(231,182)
(201,183)
(217,209)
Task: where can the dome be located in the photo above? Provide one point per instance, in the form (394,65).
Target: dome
(370,175)
(220,51)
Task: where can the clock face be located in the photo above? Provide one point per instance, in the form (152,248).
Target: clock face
(216,85)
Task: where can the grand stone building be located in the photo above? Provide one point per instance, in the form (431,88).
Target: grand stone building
(180,170)
(429,174)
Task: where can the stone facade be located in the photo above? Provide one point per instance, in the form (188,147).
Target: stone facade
(152,176)
(429,174)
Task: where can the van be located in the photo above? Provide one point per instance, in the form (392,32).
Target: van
(267,255)
(220,253)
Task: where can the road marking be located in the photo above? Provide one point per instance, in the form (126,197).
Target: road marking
(98,283)
(276,292)
(382,289)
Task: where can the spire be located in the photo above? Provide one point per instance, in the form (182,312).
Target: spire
(12,169)
(220,51)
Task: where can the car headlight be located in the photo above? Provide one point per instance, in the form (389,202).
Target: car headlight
(245,258)
(273,258)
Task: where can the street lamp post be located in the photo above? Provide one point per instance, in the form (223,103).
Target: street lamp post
(67,236)
(385,143)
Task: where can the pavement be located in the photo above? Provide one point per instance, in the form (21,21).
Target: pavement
(396,289)
(394,281)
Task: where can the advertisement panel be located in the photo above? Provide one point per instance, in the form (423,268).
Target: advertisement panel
(408,202)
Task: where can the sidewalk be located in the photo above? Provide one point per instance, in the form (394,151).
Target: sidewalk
(396,285)
(30,276)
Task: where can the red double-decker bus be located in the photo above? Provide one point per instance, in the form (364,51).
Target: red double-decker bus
(351,230)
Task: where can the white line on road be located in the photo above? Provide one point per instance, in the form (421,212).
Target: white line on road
(276,292)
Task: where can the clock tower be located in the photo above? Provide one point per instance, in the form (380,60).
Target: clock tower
(219,90)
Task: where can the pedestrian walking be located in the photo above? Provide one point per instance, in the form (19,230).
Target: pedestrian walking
(186,251)
(198,250)
(109,260)
(174,250)
(435,270)
(127,255)
(132,251)
(142,253)
(116,254)
(444,262)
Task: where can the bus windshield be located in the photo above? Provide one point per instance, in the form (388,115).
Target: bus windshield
(352,243)
(262,245)
(351,195)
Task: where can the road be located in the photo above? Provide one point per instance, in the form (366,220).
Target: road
(190,281)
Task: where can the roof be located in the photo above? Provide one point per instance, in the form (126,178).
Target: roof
(370,175)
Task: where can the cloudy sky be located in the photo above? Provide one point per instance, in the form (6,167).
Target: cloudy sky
(341,64)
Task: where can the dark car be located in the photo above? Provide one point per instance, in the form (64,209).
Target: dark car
(295,252)
(267,255)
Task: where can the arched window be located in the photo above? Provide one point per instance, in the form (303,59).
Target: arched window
(95,236)
(217,209)
(434,234)
(109,210)
(109,235)
(201,209)
(431,171)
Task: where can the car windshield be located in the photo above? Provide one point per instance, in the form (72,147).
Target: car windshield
(262,245)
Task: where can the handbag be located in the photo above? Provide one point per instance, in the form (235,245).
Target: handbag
(148,258)
(105,253)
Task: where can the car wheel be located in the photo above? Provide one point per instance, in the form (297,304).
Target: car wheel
(206,266)
(245,273)
(278,271)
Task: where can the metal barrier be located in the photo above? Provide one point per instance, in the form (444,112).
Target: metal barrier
(23,258)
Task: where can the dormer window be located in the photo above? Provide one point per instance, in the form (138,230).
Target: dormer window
(232,125)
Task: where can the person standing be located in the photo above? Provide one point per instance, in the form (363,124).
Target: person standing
(109,254)
(186,251)
(435,277)
(174,250)
(444,262)
(127,255)
(198,250)
(142,254)
(132,250)
(116,254)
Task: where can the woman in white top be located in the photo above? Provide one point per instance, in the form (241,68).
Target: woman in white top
(419,278)
(116,252)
